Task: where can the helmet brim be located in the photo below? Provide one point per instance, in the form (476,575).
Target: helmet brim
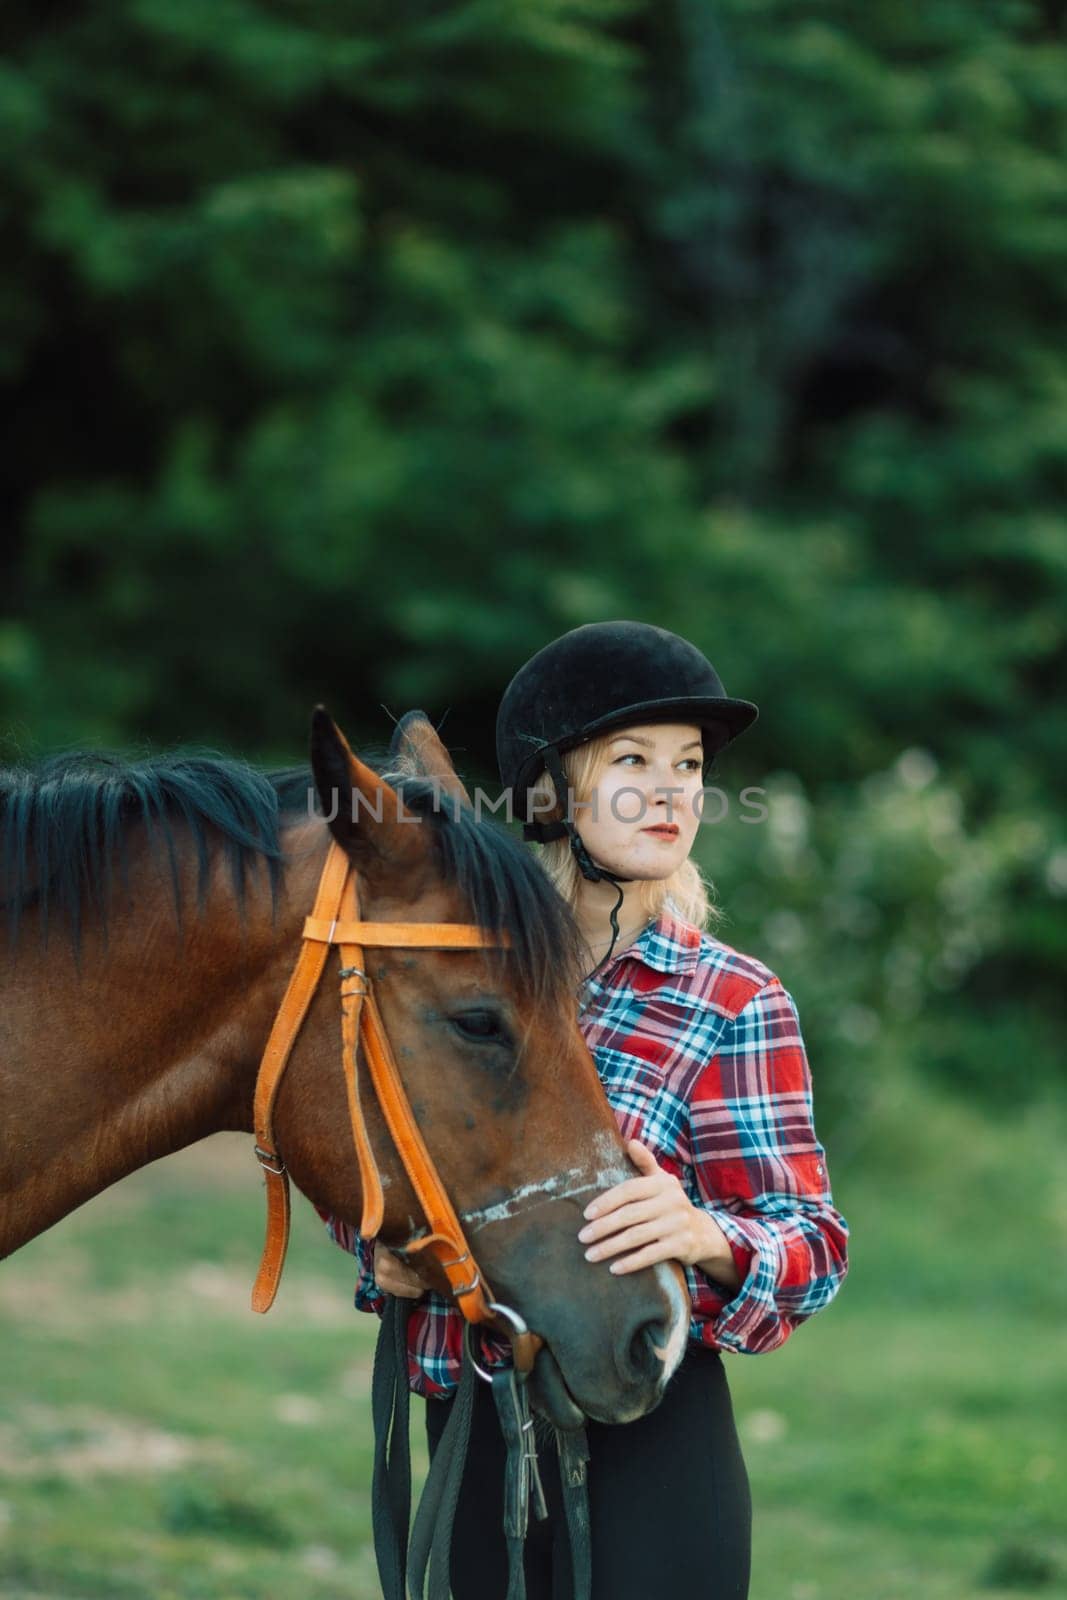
(725,718)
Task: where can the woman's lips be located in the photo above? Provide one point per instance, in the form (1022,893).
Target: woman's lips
(664,831)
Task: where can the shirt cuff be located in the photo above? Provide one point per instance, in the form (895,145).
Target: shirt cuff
(749,1322)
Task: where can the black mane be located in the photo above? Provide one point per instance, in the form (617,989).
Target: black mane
(63,826)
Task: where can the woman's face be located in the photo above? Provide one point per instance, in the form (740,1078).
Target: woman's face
(639,820)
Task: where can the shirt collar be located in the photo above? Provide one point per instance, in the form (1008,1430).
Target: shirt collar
(666,944)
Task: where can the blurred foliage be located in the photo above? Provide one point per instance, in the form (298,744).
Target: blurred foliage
(194,1508)
(901,932)
(353,351)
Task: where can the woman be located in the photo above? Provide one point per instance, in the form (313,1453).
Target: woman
(602,739)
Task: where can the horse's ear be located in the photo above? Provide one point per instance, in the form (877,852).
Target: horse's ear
(415,744)
(362,810)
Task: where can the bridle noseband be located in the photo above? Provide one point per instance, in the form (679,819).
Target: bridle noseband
(335,920)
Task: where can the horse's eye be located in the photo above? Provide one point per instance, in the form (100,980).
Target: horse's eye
(480,1025)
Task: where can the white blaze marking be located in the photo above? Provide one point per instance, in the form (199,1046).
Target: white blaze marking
(671,1353)
(560,1186)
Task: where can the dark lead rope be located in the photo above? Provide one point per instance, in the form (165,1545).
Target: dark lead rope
(431,1538)
(573,1447)
(391,1481)
(403,1571)
(520,1472)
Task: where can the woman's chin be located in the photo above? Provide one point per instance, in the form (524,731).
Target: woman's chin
(647,866)
(651,858)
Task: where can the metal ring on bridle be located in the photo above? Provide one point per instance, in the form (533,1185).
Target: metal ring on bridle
(513,1317)
(353,972)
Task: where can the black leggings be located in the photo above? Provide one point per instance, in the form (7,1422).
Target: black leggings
(669,1504)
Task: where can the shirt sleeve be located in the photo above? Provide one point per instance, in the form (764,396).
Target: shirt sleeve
(762,1173)
(369,1297)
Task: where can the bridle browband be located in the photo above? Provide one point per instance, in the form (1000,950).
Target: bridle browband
(335,920)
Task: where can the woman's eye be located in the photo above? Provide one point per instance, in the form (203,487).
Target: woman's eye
(693,763)
(480,1025)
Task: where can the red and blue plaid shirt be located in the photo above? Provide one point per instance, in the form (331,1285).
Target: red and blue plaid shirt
(700,1053)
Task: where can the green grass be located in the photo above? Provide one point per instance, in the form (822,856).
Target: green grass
(157,1439)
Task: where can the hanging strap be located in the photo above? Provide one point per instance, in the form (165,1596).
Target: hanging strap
(287,1024)
(421,1570)
(391,1482)
(521,1474)
(431,1537)
(572,1445)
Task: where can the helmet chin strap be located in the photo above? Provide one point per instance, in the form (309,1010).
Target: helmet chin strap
(586,865)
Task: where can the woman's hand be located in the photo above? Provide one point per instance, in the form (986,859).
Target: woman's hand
(651,1218)
(394,1276)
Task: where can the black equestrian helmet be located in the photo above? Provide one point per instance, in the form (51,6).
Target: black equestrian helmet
(606,675)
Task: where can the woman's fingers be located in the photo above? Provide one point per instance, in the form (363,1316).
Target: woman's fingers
(624,1217)
(394,1277)
(641,1232)
(629,1239)
(661,1250)
(641,1156)
(640,1221)
(621,1194)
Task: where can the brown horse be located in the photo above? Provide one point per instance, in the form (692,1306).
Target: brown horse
(142,1031)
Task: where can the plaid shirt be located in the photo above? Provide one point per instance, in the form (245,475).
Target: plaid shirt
(700,1053)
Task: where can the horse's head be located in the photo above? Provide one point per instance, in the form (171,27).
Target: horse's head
(503,1087)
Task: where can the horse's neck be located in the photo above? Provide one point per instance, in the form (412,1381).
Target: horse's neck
(150,1043)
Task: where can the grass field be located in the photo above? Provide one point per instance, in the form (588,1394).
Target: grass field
(159,1440)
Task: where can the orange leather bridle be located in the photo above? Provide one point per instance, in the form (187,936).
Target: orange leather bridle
(335,920)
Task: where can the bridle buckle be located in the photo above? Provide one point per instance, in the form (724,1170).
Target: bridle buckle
(269,1161)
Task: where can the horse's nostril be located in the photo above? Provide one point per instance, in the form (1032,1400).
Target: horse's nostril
(649,1337)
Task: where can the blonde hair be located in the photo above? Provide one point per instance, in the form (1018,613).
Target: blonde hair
(687,893)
